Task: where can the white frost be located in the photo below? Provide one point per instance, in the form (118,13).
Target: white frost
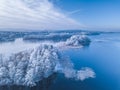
(31,66)
(78,40)
(70,72)
(28,67)
(85,73)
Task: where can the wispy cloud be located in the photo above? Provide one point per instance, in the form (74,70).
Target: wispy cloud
(74,12)
(34,14)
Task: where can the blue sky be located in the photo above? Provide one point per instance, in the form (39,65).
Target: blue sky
(60,14)
(96,14)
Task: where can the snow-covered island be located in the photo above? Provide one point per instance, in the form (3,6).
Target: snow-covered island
(78,40)
(31,66)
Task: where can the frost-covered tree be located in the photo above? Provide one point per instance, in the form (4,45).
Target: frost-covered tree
(30,66)
(78,40)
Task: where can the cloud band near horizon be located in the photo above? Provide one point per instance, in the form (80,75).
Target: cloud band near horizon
(34,14)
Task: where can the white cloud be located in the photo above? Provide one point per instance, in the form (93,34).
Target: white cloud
(34,14)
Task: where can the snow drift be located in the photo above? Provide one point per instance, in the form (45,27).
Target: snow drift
(78,40)
(30,66)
